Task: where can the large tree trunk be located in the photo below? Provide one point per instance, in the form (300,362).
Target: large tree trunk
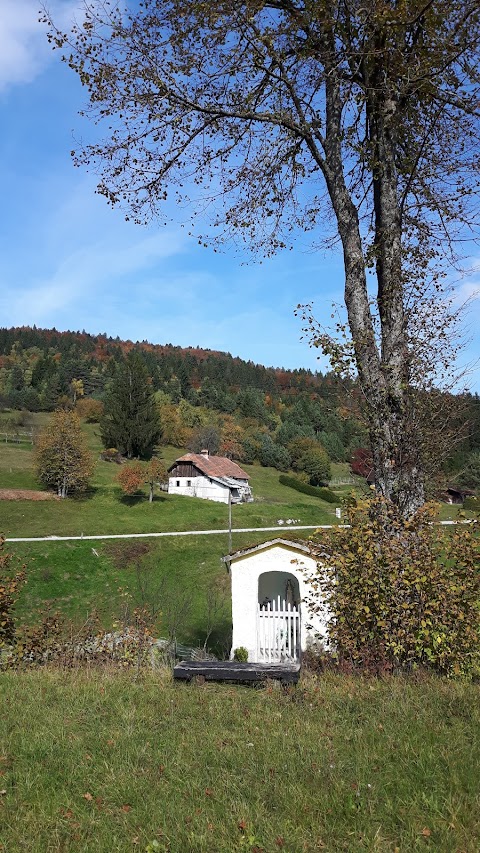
(383,366)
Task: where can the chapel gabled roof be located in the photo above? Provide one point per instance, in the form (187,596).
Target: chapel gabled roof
(213,466)
(292,544)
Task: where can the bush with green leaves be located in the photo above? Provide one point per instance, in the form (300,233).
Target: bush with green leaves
(400,594)
(318,492)
(316,464)
(241,654)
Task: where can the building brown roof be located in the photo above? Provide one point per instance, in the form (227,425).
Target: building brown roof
(213,466)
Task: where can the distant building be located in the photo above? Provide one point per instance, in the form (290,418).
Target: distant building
(214,478)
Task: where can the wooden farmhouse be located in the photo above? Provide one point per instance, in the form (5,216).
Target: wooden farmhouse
(271,614)
(214,478)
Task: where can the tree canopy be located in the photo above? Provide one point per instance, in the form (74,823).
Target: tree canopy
(290,113)
(63,462)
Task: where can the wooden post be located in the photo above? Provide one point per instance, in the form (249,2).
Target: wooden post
(229,521)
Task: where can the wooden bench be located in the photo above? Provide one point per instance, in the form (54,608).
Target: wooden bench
(231,670)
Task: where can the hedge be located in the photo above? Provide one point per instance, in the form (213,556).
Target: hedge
(317,491)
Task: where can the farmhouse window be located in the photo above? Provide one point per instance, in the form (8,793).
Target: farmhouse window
(189,482)
(178,482)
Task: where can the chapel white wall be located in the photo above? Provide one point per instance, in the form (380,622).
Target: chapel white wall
(245,572)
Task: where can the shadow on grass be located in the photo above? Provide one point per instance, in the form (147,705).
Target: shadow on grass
(133,500)
(91,492)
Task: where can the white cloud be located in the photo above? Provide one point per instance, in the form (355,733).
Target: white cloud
(87,278)
(84,262)
(469,291)
(24,49)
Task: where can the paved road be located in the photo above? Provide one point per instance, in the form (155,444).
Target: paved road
(278,529)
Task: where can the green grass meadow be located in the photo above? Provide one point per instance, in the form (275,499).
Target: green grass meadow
(78,577)
(93,762)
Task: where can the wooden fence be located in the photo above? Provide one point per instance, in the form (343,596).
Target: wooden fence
(17,437)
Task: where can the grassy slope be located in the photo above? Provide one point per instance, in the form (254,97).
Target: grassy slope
(97,762)
(78,576)
(104,510)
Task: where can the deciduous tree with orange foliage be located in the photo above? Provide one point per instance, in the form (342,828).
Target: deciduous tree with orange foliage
(132,477)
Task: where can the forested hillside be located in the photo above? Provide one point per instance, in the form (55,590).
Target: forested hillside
(281,418)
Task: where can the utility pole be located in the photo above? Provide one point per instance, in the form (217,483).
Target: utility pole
(229,521)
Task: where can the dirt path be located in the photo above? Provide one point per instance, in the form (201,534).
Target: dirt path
(26,495)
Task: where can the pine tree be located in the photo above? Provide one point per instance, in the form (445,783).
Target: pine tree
(131,421)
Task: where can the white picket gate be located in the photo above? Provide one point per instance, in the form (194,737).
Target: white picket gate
(278,632)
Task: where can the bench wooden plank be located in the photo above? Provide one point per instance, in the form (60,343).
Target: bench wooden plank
(236,671)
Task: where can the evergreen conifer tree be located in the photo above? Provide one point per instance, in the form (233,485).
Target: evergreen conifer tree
(131,421)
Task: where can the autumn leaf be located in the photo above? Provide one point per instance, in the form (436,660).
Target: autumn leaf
(126,808)
(67,813)
(426,832)
(88,797)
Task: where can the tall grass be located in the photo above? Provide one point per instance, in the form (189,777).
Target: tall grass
(96,762)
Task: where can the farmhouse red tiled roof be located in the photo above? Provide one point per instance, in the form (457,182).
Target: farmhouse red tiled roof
(214,466)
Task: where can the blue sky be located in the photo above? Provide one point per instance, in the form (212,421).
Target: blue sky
(67,260)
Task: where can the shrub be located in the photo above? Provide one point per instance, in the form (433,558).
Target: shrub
(400,594)
(10,583)
(55,641)
(316,464)
(241,654)
(112,455)
(471,503)
(318,492)
(130,478)
(89,409)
